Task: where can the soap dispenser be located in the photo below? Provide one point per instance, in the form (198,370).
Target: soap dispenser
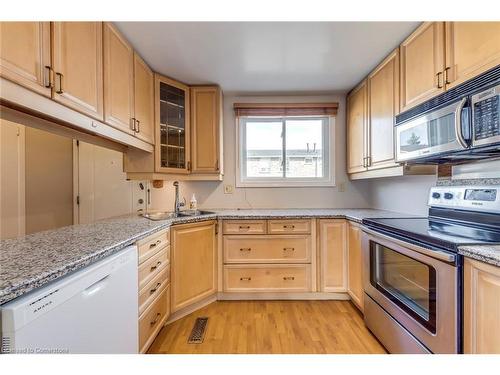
(193,204)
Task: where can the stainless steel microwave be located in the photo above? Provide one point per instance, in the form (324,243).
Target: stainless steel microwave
(458,125)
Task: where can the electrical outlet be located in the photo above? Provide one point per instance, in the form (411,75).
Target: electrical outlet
(342,187)
(228,189)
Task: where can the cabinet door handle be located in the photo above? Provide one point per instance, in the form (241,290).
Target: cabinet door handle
(156,266)
(155,288)
(245,278)
(446,76)
(156,319)
(50,75)
(244,227)
(288,226)
(217,165)
(61,90)
(368,161)
(439,84)
(132,124)
(155,244)
(189,166)
(138,126)
(289,249)
(288,278)
(246,249)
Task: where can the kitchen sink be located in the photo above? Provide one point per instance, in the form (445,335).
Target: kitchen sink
(165,215)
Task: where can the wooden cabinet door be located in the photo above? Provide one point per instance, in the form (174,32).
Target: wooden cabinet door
(481,308)
(357,106)
(144,85)
(471,49)
(383,99)
(206,129)
(25,54)
(355,265)
(333,253)
(77,58)
(194,263)
(118,80)
(422,64)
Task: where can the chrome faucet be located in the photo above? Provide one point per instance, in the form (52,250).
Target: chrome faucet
(178,204)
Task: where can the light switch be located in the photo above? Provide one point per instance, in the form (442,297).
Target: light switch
(341,187)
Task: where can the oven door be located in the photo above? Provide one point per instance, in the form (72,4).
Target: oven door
(416,286)
(431,134)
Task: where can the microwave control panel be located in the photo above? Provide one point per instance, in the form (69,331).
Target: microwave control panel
(486,113)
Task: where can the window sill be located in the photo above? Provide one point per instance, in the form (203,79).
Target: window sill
(281,184)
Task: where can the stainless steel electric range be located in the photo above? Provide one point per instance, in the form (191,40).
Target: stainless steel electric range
(413,272)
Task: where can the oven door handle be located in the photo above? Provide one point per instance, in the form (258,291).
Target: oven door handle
(437,254)
(458,123)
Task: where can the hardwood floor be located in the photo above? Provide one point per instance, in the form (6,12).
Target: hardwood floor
(272,327)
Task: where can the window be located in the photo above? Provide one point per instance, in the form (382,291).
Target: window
(285,151)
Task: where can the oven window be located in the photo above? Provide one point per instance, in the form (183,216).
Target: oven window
(410,284)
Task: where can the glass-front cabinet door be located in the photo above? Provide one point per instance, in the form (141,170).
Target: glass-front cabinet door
(172,132)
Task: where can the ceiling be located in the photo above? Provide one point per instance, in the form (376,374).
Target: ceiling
(266,57)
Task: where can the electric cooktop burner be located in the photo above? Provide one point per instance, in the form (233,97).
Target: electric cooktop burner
(458,215)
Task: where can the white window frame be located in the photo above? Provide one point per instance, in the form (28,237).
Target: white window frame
(328,156)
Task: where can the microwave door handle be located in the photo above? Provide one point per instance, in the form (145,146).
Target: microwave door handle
(458,123)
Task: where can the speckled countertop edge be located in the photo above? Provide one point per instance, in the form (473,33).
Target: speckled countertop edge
(32,261)
(485,253)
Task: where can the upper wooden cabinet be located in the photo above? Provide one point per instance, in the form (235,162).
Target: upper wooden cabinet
(143,99)
(333,252)
(77,63)
(383,99)
(357,112)
(25,54)
(422,64)
(471,48)
(194,263)
(481,308)
(206,124)
(355,265)
(173,131)
(118,80)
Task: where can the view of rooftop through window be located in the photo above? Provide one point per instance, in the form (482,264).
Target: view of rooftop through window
(285,147)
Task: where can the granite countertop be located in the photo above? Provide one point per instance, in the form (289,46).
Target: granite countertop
(31,261)
(484,253)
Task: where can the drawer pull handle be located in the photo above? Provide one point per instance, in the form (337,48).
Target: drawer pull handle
(245,278)
(244,226)
(156,319)
(246,249)
(155,288)
(286,278)
(288,226)
(289,249)
(155,244)
(156,266)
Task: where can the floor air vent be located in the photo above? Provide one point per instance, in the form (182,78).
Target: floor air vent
(198,331)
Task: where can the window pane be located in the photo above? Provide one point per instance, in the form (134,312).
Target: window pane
(264,149)
(304,148)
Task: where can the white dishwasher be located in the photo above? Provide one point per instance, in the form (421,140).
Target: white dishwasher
(94,310)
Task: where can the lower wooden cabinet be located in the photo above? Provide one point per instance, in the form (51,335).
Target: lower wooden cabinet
(194,263)
(332,255)
(481,308)
(154,286)
(354,264)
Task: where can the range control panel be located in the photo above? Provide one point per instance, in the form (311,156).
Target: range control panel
(470,198)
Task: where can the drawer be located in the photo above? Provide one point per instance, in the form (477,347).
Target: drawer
(153,266)
(267,249)
(267,278)
(153,289)
(288,226)
(152,244)
(244,227)
(153,319)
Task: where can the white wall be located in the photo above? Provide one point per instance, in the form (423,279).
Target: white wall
(406,194)
(211,194)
